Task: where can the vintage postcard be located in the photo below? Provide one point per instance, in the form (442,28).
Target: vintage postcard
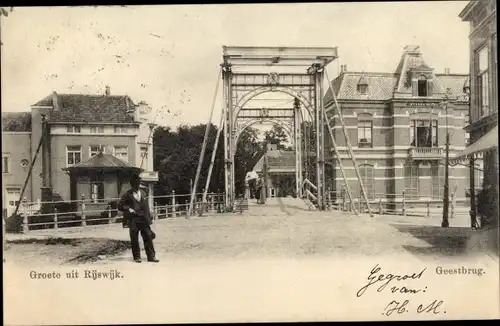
(250,162)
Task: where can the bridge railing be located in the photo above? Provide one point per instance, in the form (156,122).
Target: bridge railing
(396,204)
(85,212)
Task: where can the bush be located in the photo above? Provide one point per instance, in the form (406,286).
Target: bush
(14,224)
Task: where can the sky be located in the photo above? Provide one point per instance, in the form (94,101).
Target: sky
(169,55)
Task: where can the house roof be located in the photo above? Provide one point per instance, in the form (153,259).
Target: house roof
(382,86)
(85,108)
(103,161)
(16,121)
(278,161)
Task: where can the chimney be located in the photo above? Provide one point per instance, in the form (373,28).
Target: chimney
(55,102)
(412,49)
(108,90)
(343,68)
(447,71)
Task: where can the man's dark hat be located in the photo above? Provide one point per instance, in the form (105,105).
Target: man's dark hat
(135,177)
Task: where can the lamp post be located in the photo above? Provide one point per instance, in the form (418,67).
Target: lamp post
(446,198)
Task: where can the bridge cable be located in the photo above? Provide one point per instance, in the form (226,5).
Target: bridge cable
(212,160)
(348,143)
(204,146)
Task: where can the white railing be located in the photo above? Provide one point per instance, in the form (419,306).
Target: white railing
(426,152)
(395,204)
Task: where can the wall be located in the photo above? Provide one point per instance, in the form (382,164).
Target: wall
(481,35)
(16,145)
(391,145)
(60,180)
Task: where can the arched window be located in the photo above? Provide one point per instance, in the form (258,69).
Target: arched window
(422,86)
(366,172)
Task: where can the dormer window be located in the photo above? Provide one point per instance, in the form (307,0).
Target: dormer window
(362,85)
(422,86)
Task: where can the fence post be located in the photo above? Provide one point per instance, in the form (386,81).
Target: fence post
(84,222)
(329,206)
(380,206)
(404,204)
(428,208)
(109,215)
(452,208)
(343,199)
(25,216)
(173,204)
(224,202)
(55,219)
(155,210)
(217,201)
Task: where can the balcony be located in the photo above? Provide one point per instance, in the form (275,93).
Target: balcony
(426,153)
(149,176)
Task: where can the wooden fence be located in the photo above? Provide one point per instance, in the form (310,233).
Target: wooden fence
(84,212)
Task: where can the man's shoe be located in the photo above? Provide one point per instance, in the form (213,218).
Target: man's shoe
(153,260)
(137,260)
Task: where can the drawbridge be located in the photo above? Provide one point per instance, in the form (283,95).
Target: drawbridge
(296,72)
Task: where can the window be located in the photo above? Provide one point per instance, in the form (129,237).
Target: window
(96,129)
(437,176)
(365,127)
(366,172)
(5,164)
(120,130)
(97,192)
(422,86)
(121,152)
(95,149)
(73,155)
(144,158)
(411,181)
(73,129)
(478,175)
(422,134)
(482,81)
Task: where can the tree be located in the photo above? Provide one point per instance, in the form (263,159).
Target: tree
(248,152)
(176,156)
(276,135)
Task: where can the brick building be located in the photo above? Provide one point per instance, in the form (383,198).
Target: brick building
(483,123)
(397,123)
(78,128)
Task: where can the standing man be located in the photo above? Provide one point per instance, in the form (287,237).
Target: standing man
(137,217)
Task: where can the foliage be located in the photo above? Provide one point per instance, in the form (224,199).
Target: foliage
(248,152)
(21,123)
(177,152)
(176,155)
(487,205)
(276,135)
(14,224)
